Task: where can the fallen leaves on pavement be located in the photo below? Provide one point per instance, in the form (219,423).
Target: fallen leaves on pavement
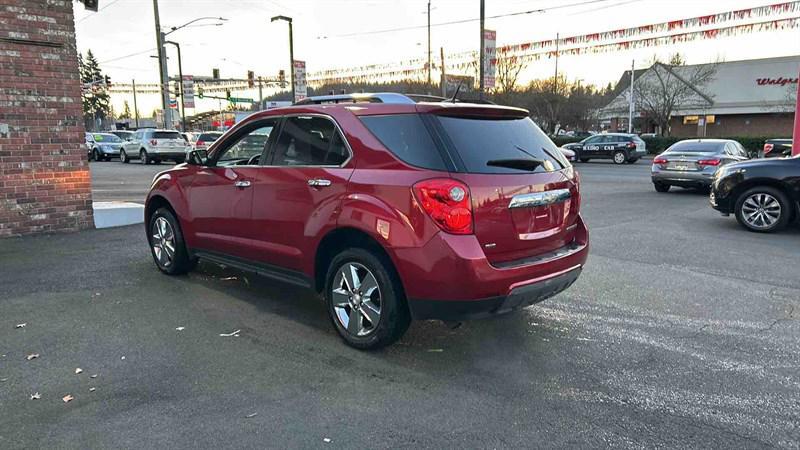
(78,370)
(32,356)
(250,416)
(91,389)
(36,396)
(234,334)
(180,328)
(93,376)
(21,325)
(68,398)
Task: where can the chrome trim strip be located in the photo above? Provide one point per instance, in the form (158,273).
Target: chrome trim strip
(539,198)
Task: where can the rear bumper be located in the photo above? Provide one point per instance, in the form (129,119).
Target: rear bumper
(167,154)
(517,298)
(683,179)
(450,277)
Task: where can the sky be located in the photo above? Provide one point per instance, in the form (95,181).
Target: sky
(122,35)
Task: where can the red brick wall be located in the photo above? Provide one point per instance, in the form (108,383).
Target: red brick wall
(44,174)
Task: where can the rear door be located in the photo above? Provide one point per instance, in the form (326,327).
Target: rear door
(298,191)
(517,212)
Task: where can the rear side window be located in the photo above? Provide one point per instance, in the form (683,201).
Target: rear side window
(485,143)
(406,136)
(166,135)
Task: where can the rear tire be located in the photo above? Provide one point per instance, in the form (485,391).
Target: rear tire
(661,187)
(123,157)
(383,297)
(167,245)
(143,158)
(585,160)
(619,157)
(763,209)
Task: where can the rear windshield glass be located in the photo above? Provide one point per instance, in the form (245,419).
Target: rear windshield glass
(405,135)
(166,135)
(696,147)
(208,137)
(492,145)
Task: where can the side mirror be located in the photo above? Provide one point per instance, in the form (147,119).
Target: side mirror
(197,158)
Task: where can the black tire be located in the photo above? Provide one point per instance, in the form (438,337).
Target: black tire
(156,161)
(180,262)
(394,316)
(785,212)
(619,157)
(143,158)
(585,160)
(96,155)
(123,157)
(661,187)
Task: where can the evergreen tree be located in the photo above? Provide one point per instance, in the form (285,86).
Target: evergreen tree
(95,96)
(126,111)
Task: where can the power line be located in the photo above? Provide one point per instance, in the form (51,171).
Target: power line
(456,22)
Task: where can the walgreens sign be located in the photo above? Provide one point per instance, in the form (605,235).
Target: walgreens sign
(780,81)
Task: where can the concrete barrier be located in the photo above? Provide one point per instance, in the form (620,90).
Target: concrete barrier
(117,214)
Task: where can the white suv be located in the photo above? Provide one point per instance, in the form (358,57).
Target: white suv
(153,146)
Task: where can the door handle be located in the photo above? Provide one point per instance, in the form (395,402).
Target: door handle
(319,182)
(242,184)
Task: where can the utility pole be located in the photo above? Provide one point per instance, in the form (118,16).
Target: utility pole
(135,105)
(180,75)
(260,95)
(555,77)
(630,100)
(429,43)
(482,57)
(162,68)
(444,75)
(291,48)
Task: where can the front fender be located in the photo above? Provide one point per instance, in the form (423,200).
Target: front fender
(170,187)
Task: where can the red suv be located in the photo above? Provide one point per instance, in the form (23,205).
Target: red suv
(390,208)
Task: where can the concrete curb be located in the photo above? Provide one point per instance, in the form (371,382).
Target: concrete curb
(117,214)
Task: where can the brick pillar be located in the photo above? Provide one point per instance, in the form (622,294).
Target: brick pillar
(44,172)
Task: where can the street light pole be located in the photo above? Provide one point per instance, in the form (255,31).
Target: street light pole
(429,43)
(180,75)
(291,50)
(482,56)
(135,105)
(162,67)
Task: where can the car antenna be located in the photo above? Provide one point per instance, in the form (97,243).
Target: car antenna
(457,89)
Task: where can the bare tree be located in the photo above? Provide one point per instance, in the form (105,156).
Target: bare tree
(509,68)
(665,88)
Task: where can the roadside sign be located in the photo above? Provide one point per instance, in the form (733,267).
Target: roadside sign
(188,91)
(241,100)
(489,58)
(173,103)
(300,87)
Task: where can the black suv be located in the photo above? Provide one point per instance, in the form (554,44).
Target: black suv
(764,194)
(620,147)
(777,148)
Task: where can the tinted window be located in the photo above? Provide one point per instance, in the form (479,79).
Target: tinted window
(696,147)
(593,140)
(309,141)
(406,136)
(481,141)
(248,145)
(166,135)
(208,137)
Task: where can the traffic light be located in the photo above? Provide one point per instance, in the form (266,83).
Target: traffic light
(227,93)
(90,5)
(215,74)
(251,79)
(199,91)
(177,87)
(108,81)
(282,76)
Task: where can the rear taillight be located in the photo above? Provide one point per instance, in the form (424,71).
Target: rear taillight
(153,142)
(200,143)
(447,202)
(631,145)
(660,160)
(768,148)
(708,162)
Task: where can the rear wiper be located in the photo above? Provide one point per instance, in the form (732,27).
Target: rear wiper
(516,163)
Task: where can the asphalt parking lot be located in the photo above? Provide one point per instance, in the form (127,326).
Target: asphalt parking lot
(683,331)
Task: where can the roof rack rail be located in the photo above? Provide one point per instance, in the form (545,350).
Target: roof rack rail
(379,97)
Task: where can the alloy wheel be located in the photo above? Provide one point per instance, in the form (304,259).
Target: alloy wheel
(619,158)
(163,242)
(143,157)
(761,210)
(356,299)
(123,157)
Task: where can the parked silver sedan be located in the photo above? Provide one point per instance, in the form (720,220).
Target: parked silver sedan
(692,163)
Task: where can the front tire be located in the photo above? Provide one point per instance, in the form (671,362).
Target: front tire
(96,156)
(619,157)
(167,245)
(763,209)
(365,299)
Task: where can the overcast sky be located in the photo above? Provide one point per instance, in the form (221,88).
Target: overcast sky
(248,41)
